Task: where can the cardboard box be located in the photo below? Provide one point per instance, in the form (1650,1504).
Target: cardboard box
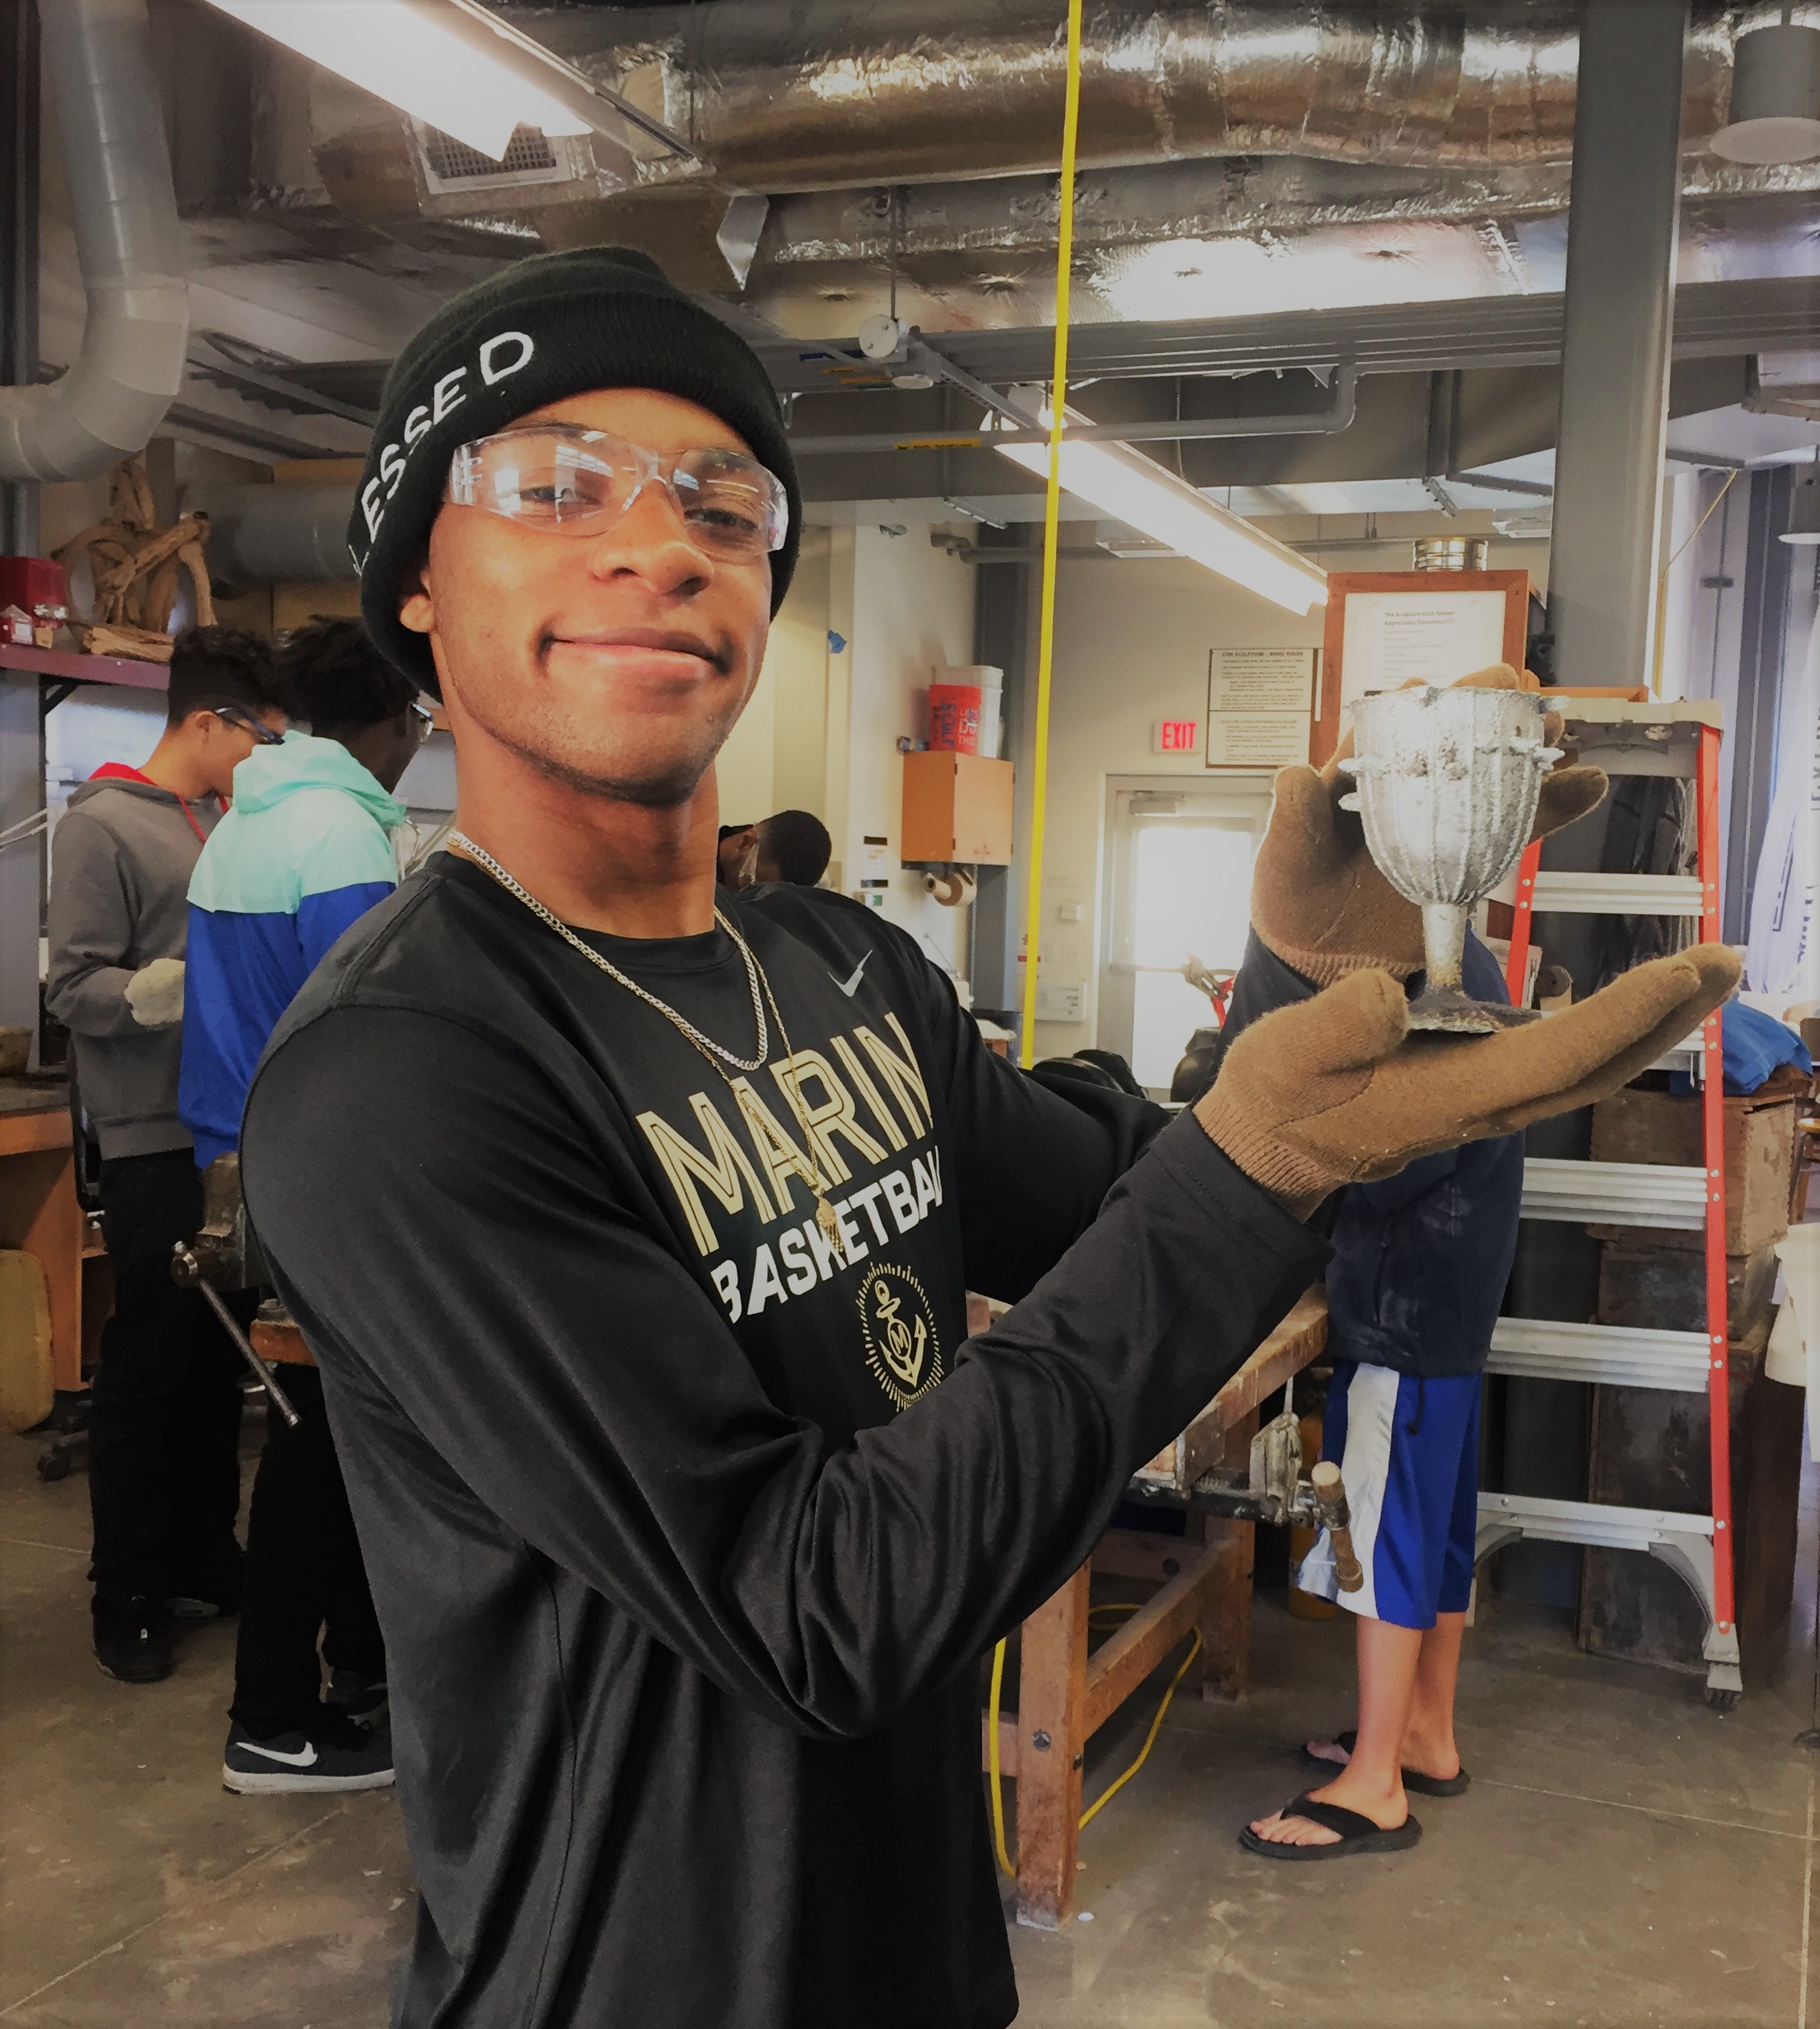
(957,808)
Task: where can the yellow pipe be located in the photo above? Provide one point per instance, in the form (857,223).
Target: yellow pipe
(1052,522)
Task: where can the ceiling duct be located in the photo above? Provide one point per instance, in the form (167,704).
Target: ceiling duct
(130,367)
(779,96)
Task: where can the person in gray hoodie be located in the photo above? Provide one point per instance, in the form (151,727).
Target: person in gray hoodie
(164,1468)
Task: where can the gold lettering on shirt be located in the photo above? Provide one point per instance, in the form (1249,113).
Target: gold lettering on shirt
(781,1157)
(901,1074)
(834,1115)
(721,1169)
(855,1070)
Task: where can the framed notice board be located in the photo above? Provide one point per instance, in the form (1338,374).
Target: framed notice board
(1386,627)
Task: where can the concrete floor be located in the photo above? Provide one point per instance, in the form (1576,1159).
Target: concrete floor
(1624,1858)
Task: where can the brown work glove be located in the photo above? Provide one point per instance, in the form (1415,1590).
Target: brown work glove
(1318,901)
(1334,1090)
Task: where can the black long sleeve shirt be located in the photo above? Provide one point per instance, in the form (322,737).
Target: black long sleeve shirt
(686,1528)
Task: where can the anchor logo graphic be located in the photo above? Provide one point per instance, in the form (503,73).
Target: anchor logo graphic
(902,1349)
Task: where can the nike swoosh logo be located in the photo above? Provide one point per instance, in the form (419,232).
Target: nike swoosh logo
(306,1760)
(851,987)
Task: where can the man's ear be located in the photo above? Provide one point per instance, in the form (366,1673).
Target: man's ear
(416,605)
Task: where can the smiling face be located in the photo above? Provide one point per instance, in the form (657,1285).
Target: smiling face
(615,662)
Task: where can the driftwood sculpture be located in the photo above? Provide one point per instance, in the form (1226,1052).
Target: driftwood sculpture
(136,566)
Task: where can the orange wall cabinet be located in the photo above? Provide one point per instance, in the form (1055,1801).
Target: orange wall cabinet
(957,806)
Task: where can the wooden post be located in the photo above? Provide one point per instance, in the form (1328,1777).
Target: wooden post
(1051,1742)
(1225,1611)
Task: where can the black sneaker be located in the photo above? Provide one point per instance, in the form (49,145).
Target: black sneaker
(132,1644)
(360,1698)
(335,1754)
(212,1591)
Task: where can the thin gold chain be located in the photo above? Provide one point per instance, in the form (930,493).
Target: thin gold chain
(706,1044)
(757,979)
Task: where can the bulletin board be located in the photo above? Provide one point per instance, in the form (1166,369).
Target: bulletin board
(1385,628)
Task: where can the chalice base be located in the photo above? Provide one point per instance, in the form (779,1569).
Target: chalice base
(1445,1010)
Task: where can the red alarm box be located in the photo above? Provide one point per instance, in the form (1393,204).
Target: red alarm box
(36,586)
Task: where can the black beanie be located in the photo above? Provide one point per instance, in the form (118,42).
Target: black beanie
(555,325)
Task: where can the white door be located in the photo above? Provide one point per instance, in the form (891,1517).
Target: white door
(1179,878)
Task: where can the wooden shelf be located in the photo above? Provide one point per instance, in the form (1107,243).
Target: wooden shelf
(85,669)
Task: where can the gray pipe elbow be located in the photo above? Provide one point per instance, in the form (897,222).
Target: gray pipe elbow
(130,367)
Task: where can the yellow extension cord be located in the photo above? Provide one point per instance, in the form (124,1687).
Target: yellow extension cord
(1039,810)
(1052,522)
(1111,1789)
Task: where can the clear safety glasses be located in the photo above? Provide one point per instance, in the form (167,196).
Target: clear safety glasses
(574,481)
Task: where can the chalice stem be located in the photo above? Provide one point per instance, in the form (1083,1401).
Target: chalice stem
(1443,945)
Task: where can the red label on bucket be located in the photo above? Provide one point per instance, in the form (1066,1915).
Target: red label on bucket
(954,717)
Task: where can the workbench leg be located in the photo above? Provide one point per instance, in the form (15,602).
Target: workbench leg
(1051,1713)
(1225,1619)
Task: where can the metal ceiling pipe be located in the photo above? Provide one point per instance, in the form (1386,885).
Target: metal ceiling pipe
(781,97)
(276,535)
(130,367)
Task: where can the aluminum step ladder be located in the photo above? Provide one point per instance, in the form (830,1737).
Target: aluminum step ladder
(1677,739)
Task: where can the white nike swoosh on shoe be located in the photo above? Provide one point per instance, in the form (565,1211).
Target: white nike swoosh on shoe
(851,987)
(306,1760)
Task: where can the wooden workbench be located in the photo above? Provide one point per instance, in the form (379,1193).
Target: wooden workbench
(1065,1695)
(39,1212)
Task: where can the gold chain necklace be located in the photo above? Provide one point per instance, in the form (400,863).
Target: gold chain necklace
(756,978)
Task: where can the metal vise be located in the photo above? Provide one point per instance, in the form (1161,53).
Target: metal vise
(1273,1490)
(225,1255)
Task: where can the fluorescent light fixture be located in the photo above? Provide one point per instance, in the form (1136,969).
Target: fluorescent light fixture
(1138,491)
(426,59)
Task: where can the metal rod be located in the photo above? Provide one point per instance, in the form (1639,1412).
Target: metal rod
(231,1326)
(1326,422)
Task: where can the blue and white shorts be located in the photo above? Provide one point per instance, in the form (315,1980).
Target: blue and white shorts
(1408,1450)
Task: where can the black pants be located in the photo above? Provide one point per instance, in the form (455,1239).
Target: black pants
(164,1476)
(304,1573)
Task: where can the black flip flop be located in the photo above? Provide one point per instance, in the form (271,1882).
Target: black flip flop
(1357,1833)
(1412,1778)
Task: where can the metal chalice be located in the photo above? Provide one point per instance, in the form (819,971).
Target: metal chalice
(1446,784)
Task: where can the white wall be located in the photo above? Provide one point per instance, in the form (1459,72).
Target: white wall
(1132,643)
(911,610)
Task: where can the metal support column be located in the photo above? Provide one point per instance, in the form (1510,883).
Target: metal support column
(22,753)
(1624,212)
(19,245)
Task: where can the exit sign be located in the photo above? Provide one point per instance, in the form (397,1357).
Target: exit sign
(1176,736)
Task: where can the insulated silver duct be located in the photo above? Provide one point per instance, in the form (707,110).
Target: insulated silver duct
(130,367)
(275,535)
(781,97)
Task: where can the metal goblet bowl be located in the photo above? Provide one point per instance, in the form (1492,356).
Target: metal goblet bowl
(1448,781)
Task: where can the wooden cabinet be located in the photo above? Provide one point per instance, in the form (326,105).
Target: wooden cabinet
(957,806)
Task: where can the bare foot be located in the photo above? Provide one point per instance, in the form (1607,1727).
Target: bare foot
(1387,1812)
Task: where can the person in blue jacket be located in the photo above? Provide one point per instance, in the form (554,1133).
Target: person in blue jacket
(306,851)
(1414,1287)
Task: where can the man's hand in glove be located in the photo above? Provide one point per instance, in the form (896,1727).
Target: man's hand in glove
(1335,1090)
(1319,902)
(155,993)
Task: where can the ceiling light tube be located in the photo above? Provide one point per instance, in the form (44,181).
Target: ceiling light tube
(1141,493)
(424,59)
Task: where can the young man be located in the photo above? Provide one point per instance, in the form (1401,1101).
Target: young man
(732,861)
(164,1466)
(305,851)
(792,847)
(1417,1281)
(635,1238)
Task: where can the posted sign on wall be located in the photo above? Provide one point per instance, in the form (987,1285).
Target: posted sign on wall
(1258,703)
(1175,736)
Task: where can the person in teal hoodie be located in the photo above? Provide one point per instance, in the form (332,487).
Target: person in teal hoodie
(306,851)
